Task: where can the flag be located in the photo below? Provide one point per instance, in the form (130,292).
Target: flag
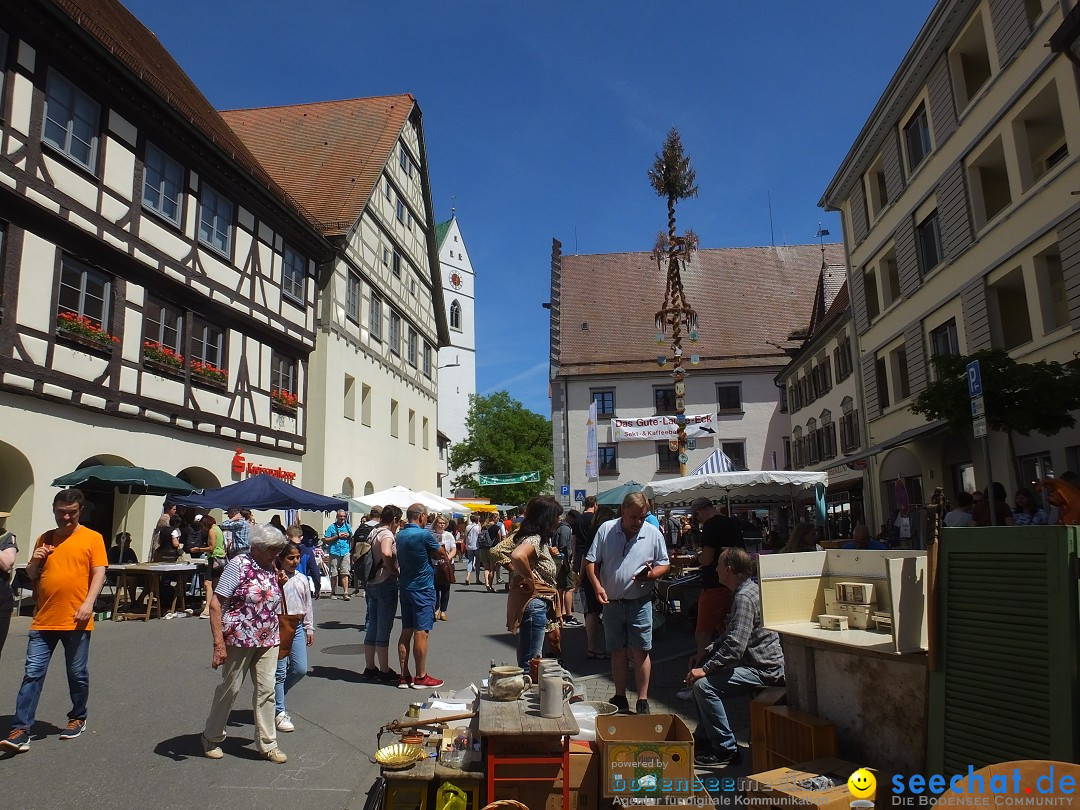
(592,473)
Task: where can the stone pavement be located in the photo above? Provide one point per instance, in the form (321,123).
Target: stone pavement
(151,685)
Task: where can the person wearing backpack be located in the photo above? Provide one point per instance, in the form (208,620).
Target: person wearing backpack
(361,549)
(236,530)
(489,536)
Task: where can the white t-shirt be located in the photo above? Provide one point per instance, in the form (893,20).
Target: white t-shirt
(472,534)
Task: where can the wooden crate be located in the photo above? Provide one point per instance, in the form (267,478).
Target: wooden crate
(792,737)
(759,746)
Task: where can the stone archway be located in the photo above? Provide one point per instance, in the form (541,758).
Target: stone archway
(347,488)
(17,493)
(199,477)
(369,488)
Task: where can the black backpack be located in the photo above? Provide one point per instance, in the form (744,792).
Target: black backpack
(488,537)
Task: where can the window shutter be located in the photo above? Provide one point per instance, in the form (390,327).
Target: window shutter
(953,217)
(1005,688)
(858,212)
(869,382)
(1010,26)
(942,104)
(915,347)
(907,262)
(976,318)
(890,164)
(1069,246)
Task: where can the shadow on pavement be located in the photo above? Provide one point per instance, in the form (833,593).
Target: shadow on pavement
(336,674)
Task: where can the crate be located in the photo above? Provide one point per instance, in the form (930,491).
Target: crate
(645,756)
(759,748)
(778,789)
(792,737)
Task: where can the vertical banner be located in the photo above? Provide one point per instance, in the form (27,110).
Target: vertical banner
(592,473)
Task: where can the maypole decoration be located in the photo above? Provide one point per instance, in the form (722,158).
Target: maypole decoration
(673,178)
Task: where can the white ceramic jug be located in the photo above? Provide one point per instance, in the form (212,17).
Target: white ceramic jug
(554,691)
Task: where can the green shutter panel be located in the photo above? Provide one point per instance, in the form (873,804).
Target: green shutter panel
(1007,631)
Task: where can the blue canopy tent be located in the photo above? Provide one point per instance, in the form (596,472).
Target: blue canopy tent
(261,492)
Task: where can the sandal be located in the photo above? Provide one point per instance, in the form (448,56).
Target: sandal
(594,655)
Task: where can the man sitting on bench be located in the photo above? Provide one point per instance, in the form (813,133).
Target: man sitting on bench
(746,658)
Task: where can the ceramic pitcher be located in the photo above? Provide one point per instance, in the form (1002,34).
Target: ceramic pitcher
(507,683)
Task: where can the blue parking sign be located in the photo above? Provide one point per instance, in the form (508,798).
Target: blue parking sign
(974,379)
(564,490)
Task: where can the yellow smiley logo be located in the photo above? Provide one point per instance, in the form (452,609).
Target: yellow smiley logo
(862,784)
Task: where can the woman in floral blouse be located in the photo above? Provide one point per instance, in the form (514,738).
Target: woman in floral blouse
(244,621)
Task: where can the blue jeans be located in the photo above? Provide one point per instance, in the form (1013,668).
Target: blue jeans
(709,693)
(39,650)
(381,608)
(531,632)
(290,670)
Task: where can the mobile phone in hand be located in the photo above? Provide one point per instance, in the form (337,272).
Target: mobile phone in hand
(642,573)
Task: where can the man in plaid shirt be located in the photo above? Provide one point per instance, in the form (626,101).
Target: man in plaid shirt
(746,658)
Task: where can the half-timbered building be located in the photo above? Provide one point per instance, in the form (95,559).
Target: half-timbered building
(359,166)
(158,286)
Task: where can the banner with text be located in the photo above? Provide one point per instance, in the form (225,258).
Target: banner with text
(592,473)
(658,428)
(509,478)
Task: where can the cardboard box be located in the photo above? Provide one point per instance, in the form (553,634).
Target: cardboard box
(645,756)
(779,788)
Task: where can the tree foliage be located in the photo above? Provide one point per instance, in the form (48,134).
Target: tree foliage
(1019,397)
(503,437)
(671,175)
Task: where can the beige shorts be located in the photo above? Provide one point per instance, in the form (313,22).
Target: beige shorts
(338,566)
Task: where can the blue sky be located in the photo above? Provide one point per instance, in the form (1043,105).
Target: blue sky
(541,119)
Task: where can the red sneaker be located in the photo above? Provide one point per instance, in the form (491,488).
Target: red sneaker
(427,682)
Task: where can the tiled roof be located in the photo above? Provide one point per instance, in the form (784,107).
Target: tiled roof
(749,301)
(329,154)
(136,47)
(831,280)
(441,230)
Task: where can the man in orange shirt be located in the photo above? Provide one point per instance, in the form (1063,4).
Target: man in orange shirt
(68,569)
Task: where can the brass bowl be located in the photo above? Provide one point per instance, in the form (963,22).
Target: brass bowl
(399,756)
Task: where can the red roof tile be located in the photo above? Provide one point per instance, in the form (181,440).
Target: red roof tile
(329,154)
(749,302)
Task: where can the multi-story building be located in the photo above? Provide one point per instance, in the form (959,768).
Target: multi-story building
(457,361)
(359,167)
(158,286)
(961,224)
(822,400)
(753,303)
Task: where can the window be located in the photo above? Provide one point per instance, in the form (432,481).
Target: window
(405,161)
(427,434)
(412,426)
(1050,278)
(813,442)
(396,263)
(664,399)
(394,418)
(389,196)
(85,292)
(736,451)
(386,257)
(917,138)
(898,369)
(395,333)
(282,373)
(928,237)
(605,403)
(163,184)
(412,347)
(943,340)
(889,274)
(215,220)
(797,447)
(667,460)
(399,211)
(348,398)
(607,459)
(849,426)
(208,343)
(988,179)
(1010,323)
(427,360)
(71,121)
(969,63)
(783,399)
(164,324)
(352,297)
(375,317)
(842,358)
(729,398)
(787,452)
(881,369)
(1040,136)
(455,315)
(877,195)
(294,275)
(365,405)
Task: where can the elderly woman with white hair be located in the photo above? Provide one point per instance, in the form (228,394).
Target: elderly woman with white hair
(244,621)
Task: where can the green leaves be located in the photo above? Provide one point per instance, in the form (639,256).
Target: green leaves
(1020,397)
(504,437)
(671,174)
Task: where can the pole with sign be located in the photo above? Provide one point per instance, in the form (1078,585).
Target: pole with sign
(978,425)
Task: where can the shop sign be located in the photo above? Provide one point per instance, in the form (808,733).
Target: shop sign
(241,465)
(658,428)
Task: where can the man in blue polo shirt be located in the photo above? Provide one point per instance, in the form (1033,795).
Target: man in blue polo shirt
(416,549)
(339,547)
(627,556)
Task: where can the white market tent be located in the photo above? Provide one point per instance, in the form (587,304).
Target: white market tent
(403,498)
(748,487)
(447,506)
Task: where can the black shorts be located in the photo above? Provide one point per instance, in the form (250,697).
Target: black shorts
(592,604)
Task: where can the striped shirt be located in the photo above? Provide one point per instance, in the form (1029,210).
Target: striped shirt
(747,643)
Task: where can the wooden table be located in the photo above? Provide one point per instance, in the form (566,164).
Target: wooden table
(151,595)
(514,733)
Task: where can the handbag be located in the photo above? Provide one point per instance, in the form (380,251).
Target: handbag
(444,572)
(288,623)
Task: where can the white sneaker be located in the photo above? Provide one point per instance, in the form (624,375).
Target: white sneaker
(283,722)
(685,694)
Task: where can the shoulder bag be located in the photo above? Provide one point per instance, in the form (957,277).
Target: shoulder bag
(287,626)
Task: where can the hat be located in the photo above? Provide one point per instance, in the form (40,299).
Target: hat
(198,518)
(700,503)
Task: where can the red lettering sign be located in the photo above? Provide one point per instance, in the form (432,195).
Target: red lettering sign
(241,465)
(238,461)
